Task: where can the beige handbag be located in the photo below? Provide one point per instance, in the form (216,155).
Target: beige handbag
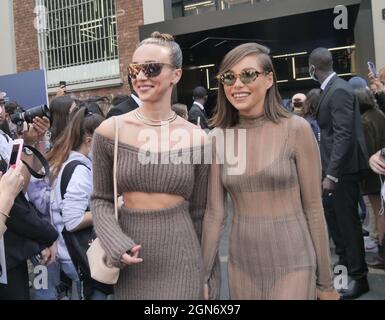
(100,269)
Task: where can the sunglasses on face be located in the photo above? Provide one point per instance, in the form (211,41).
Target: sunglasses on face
(150,70)
(247,76)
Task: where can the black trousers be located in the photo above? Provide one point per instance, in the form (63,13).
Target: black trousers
(18,284)
(341,212)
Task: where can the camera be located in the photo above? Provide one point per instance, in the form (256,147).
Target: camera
(39,111)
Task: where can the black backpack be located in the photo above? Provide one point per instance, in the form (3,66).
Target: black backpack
(78,242)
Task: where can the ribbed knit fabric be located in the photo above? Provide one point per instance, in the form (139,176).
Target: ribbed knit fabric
(169,237)
(278,246)
(172,260)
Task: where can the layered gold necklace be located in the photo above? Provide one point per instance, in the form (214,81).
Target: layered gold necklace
(155,123)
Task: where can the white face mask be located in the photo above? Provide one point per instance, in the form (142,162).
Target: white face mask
(312,73)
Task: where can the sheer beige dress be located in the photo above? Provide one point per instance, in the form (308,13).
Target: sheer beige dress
(278,246)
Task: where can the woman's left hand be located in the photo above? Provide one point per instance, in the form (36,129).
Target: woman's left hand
(328,295)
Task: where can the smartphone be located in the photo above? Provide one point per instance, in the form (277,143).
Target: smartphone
(17,149)
(372,68)
(63,85)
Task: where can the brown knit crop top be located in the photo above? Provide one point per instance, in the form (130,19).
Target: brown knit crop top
(185,174)
(160,172)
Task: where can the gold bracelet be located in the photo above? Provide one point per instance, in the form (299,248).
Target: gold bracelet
(1,212)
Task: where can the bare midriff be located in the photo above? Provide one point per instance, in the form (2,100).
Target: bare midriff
(150,200)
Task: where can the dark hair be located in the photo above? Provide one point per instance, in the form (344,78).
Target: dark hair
(83,123)
(199,92)
(92,107)
(366,99)
(311,102)
(59,109)
(119,98)
(225,114)
(11,107)
(166,40)
(322,59)
(297,103)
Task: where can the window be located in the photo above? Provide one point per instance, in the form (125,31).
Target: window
(183,8)
(78,33)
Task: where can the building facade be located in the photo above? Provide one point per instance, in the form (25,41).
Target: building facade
(88,43)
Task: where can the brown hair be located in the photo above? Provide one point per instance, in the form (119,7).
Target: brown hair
(180,109)
(225,114)
(166,40)
(59,108)
(83,123)
(311,102)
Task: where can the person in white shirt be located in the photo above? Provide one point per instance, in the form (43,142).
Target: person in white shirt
(72,211)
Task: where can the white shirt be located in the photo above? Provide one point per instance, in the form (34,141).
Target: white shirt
(76,200)
(5,146)
(326,81)
(137,100)
(199,105)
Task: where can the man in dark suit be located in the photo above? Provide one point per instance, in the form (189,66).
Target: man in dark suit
(126,106)
(344,157)
(197,113)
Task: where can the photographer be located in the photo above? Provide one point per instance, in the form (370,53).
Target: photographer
(27,235)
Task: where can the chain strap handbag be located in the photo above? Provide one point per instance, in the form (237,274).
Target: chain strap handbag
(100,269)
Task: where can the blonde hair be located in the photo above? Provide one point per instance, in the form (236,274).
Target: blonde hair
(166,40)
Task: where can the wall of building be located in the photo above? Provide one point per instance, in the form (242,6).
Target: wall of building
(378,31)
(363,37)
(153,11)
(27,52)
(129,18)
(7,39)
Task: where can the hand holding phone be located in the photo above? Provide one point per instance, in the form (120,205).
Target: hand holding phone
(17,149)
(372,68)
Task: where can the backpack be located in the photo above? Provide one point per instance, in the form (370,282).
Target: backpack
(77,242)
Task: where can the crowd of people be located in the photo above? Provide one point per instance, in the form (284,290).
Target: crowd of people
(305,171)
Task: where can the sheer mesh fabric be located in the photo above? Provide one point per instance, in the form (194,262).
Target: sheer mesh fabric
(279,246)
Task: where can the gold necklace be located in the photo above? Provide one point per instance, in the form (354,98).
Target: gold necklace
(155,123)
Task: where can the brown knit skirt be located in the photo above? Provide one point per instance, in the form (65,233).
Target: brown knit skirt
(172,259)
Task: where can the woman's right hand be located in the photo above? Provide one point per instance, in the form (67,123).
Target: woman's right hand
(132,258)
(12,182)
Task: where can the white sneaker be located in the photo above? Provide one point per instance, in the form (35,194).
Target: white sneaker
(370,245)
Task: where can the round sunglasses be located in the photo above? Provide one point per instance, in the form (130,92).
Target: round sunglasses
(247,76)
(150,69)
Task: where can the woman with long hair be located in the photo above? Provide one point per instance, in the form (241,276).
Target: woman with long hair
(70,209)
(156,242)
(278,247)
(309,111)
(60,109)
